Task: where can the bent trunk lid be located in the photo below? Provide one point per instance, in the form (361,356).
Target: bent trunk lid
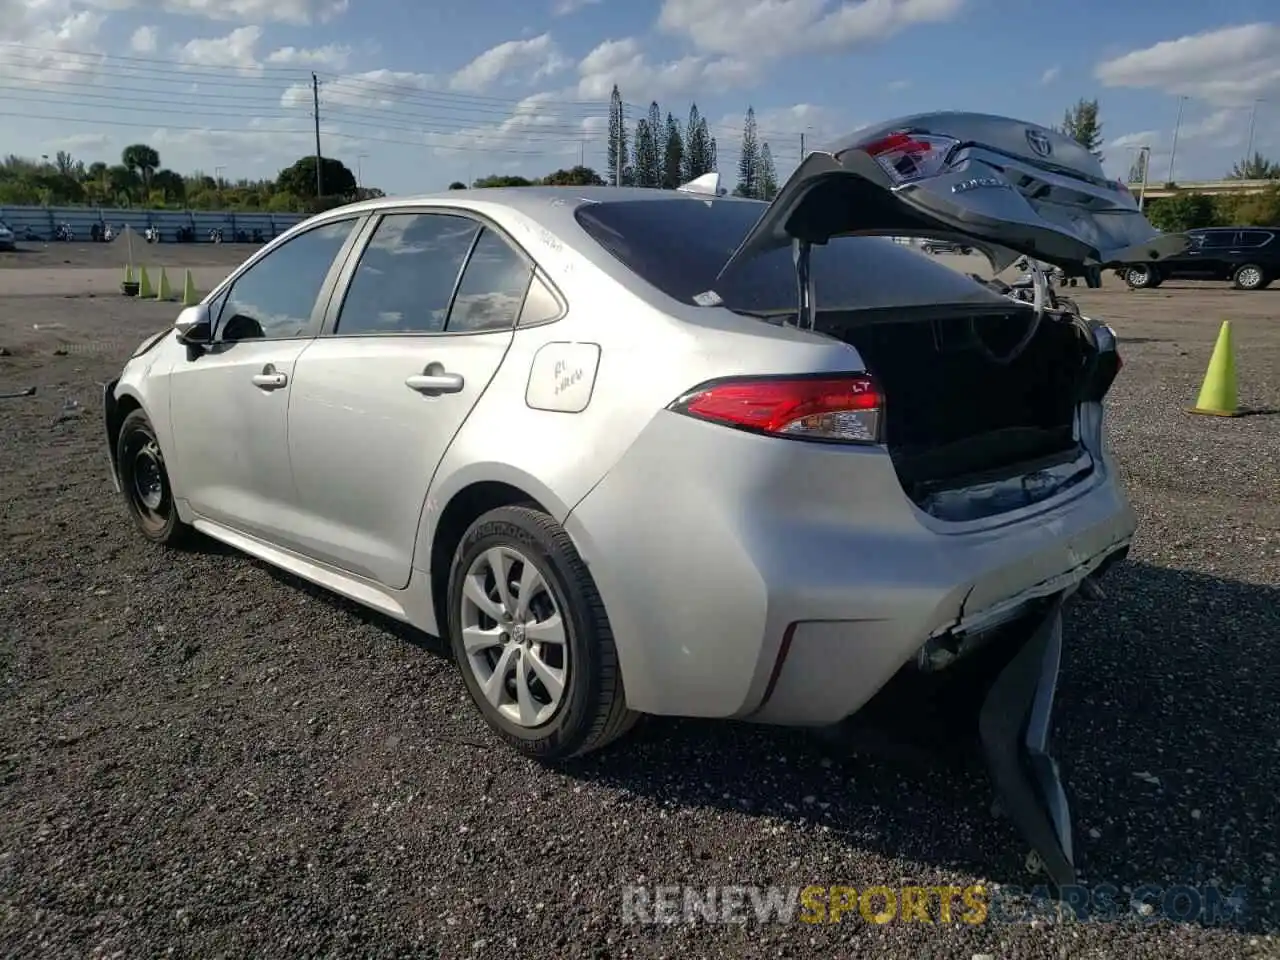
(1007,187)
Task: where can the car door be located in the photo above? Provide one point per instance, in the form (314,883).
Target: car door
(1217,255)
(424,322)
(229,402)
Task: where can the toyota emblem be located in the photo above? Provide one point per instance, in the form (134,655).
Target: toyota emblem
(1039,143)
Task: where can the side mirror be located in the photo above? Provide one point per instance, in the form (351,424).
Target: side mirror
(194,326)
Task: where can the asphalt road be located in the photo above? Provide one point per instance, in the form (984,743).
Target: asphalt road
(200,757)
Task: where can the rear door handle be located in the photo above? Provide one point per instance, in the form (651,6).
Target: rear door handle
(269,379)
(434,381)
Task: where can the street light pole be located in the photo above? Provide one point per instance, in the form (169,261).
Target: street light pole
(1173,153)
(1144,157)
(1253,120)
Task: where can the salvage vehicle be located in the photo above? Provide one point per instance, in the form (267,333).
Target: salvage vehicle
(671,452)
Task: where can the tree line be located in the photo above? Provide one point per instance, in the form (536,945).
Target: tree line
(139,179)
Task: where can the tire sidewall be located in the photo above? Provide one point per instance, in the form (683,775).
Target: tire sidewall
(137,425)
(570,726)
(1147,275)
(1262,277)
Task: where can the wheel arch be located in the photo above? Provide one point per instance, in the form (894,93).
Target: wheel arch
(446,523)
(119,406)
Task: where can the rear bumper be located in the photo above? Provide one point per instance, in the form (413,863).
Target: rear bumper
(787,583)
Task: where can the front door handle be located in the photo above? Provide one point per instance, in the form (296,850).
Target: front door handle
(269,379)
(434,381)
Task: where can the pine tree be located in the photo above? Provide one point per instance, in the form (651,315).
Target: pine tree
(1080,123)
(648,162)
(617,154)
(749,158)
(767,187)
(695,147)
(658,131)
(713,162)
(672,155)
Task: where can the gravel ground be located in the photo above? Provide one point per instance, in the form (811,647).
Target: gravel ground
(200,757)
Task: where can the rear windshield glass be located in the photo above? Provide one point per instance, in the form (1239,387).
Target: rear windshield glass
(679,246)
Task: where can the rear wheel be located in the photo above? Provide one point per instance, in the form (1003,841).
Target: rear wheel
(145,482)
(1141,277)
(1249,277)
(531,638)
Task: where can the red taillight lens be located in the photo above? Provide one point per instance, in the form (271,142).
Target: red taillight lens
(842,409)
(911,156)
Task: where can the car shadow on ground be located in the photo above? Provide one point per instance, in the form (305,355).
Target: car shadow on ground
(1164,727)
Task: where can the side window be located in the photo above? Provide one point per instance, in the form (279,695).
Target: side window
(1220,240)
(274,298)
(492,289)
(406,275)
(540,304)
(1254,238)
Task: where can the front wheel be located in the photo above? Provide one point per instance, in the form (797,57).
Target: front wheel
(1141,277)
(1249,277)
(531,638)
(145,482)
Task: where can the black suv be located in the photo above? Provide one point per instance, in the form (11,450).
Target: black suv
(1247,256)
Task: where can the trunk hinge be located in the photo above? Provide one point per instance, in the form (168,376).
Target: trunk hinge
(807,311)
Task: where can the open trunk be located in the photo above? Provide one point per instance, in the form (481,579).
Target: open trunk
(971,434)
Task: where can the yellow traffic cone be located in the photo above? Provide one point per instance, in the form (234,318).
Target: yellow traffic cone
(144,284)
(164,291)
(1218,393)
(189,296)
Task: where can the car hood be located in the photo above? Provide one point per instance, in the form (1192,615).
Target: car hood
(1006,187)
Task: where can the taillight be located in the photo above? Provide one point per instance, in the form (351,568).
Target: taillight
(842,408)
(911,156)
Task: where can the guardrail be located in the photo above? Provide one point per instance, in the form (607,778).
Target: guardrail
(41,223)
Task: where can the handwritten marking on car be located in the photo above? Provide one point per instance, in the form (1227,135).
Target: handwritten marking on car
(562,377)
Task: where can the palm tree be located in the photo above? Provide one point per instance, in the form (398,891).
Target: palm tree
(141,159)
(1256,167)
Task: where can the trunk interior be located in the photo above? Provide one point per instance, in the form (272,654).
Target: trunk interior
(955,416)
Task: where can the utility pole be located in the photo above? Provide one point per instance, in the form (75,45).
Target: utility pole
(1253,120)
(1144,157)
(802,147)
(315,100)
(1173,153)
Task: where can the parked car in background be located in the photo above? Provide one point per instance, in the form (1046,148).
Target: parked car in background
(626,472)
(945,246)
(7,237)
(1248,257)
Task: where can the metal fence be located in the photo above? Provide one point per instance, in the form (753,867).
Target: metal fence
(40,223)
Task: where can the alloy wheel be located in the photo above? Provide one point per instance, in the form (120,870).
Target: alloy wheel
(1249,277)
(514,637)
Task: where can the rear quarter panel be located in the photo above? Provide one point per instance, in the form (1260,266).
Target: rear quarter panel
(651,350)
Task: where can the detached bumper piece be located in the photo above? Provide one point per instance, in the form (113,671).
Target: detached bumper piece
(1013,728)
(994,697)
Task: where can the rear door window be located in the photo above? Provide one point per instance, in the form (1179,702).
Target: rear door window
(1254,238)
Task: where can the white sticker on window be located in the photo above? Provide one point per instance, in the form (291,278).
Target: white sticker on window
(562,377)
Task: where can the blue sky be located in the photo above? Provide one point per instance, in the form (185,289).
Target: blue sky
(415,95)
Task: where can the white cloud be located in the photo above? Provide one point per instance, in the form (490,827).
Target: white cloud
(898,85)
(1050,75)
(376,89)
(38,40)
(531,59)
(144,40)
(242,11)
(237,49)
(563,8)
(534,125)
(332,56)
(623,62)
(778,28)
(1232,65)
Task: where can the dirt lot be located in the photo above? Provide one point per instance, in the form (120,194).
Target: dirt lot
(200,757)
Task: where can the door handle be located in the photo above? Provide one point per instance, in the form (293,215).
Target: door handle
(434,380)
(269,379)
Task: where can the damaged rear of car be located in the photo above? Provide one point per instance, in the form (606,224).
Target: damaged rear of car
(954,490)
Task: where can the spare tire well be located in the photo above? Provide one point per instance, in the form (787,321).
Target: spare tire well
(467,505)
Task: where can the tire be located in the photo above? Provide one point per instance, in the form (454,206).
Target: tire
(144,481)
(1249,276)
(1141,277)
(590,711)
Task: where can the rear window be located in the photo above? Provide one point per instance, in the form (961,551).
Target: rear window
(680,245)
